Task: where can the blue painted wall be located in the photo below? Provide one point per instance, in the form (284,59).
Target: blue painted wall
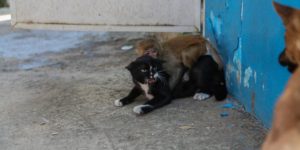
(250,36)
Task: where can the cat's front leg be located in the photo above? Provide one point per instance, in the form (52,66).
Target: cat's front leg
(149,106)
(134,93)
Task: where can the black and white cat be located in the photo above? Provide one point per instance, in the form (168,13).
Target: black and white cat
(205,79)
(149,79)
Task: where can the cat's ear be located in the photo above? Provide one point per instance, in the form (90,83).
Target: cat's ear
(284,12)
(130,66)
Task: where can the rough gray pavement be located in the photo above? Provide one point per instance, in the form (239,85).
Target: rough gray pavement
(62,99)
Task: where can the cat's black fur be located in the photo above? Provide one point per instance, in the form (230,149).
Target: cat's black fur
(204,77)
(148,72)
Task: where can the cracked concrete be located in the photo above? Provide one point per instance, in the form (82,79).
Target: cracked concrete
(66,103)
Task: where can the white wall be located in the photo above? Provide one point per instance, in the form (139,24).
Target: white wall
(180,15)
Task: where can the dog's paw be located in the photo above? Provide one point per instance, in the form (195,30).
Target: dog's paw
(201,96)
(142,109)
(118,103)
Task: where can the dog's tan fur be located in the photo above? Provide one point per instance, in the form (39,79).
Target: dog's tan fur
(165,36)
(291,20)
(184,49)
(285,131)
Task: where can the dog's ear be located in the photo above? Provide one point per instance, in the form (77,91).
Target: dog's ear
(284,12)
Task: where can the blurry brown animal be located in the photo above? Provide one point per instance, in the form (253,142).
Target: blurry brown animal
(165,36)
(285,131)
(180,53)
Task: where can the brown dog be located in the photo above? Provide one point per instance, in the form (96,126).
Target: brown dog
(180,53)
(285,131)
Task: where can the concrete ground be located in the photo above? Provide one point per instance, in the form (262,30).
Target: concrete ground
(57,91)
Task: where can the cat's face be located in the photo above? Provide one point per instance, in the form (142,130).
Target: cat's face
(291,20)
(147,70)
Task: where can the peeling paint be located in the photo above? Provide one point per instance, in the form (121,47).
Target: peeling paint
(226,4)
(234,68)
(238,52)
(229,70)
(237,60)
(216,23)
(244,55)
(242,10)
(248,75)
(255,77)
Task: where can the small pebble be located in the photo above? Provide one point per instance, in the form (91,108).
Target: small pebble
(126,47)
(186,127)
(224,114)
(228,105)
(45,121)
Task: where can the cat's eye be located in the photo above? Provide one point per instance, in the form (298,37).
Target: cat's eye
(143,70)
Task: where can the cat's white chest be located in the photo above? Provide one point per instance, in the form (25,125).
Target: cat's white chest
(145,88)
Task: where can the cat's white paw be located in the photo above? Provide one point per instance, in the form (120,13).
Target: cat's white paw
(139,109)
(118,103)
(201,96)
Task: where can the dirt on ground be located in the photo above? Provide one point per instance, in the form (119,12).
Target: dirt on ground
(62,99)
